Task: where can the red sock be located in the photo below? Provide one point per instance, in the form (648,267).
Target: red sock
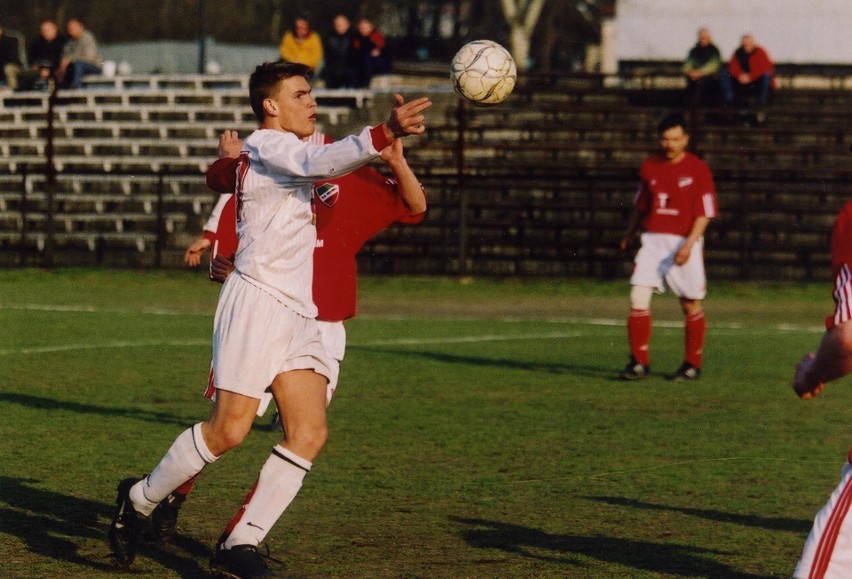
(184,489)
(694,330)
(639,335)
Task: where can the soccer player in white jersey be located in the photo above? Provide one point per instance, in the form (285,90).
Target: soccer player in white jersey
(674,204)
(827,553)
(265,335)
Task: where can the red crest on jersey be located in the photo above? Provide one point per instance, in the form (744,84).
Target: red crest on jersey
(328,193)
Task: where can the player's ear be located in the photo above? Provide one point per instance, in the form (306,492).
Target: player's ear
(270,107)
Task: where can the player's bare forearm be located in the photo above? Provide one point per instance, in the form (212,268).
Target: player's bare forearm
(409,188)
(832,360)
(406,118)
(630,233)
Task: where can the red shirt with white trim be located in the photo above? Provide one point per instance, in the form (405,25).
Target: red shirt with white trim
(672,195)
(841,267)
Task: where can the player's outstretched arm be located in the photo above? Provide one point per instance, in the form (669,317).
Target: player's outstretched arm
(410,190)
(832,360)
(406,118)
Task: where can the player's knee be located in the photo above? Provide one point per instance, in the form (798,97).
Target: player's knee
(640,297)
(310,438)
(221,439)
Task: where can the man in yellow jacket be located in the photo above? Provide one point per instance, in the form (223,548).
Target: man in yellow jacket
(302,45)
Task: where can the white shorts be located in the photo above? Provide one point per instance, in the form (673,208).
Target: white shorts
(828,550)
(256,337)
(654,266)
(334,341)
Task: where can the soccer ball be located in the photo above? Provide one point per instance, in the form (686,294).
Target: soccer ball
(483,72)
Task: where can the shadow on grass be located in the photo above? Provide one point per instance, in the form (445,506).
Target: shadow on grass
(561,548)
(62,527)
(552,368)
(42,403)
(800,526)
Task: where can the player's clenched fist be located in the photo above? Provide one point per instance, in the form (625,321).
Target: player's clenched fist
(802,384)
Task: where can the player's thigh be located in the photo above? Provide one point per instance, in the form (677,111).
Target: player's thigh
(649,265)
(689,281)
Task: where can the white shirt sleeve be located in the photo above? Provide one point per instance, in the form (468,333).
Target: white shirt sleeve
(212,224)
(284,153)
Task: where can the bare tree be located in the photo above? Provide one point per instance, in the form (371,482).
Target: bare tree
(522,17)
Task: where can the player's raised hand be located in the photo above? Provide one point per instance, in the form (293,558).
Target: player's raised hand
(230,145)
(407,118)
(804,387)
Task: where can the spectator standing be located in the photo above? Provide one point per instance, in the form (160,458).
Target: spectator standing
(371,52)
(826,552)
(340,66)
(302,45)
(701,68)
(44,54)
(10,58)
(80,55)
(749,72)
(674,204)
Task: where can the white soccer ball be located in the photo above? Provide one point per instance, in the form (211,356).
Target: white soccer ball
(483,72)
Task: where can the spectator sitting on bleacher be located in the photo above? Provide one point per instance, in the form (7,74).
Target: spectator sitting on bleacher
(701,69)
(45,54)
(372,52)
(10,59)
(302,45)
(340,65)
(79,56)
(750,72)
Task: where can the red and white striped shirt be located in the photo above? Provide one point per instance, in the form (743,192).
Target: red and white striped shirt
(841,267)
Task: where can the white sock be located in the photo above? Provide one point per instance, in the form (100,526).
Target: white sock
(186,458)
(279,481)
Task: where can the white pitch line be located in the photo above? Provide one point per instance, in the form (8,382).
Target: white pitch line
(83,309)
(104,346)
(469,339)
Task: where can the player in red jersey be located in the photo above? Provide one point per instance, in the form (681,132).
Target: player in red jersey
(828,549)
(674,204)
(349,211)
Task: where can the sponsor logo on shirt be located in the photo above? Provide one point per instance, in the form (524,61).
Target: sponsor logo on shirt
(327,193)
(684,182)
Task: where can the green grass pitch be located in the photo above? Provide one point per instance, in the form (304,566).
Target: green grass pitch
(479,431)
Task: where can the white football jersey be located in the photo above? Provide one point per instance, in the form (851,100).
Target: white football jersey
(274,212)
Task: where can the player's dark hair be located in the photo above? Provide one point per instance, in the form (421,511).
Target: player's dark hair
(672,120)
(265,79)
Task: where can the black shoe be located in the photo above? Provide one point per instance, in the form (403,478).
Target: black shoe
(127,526)
(686,372)
(241,562)
(165,515)
(635,371)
